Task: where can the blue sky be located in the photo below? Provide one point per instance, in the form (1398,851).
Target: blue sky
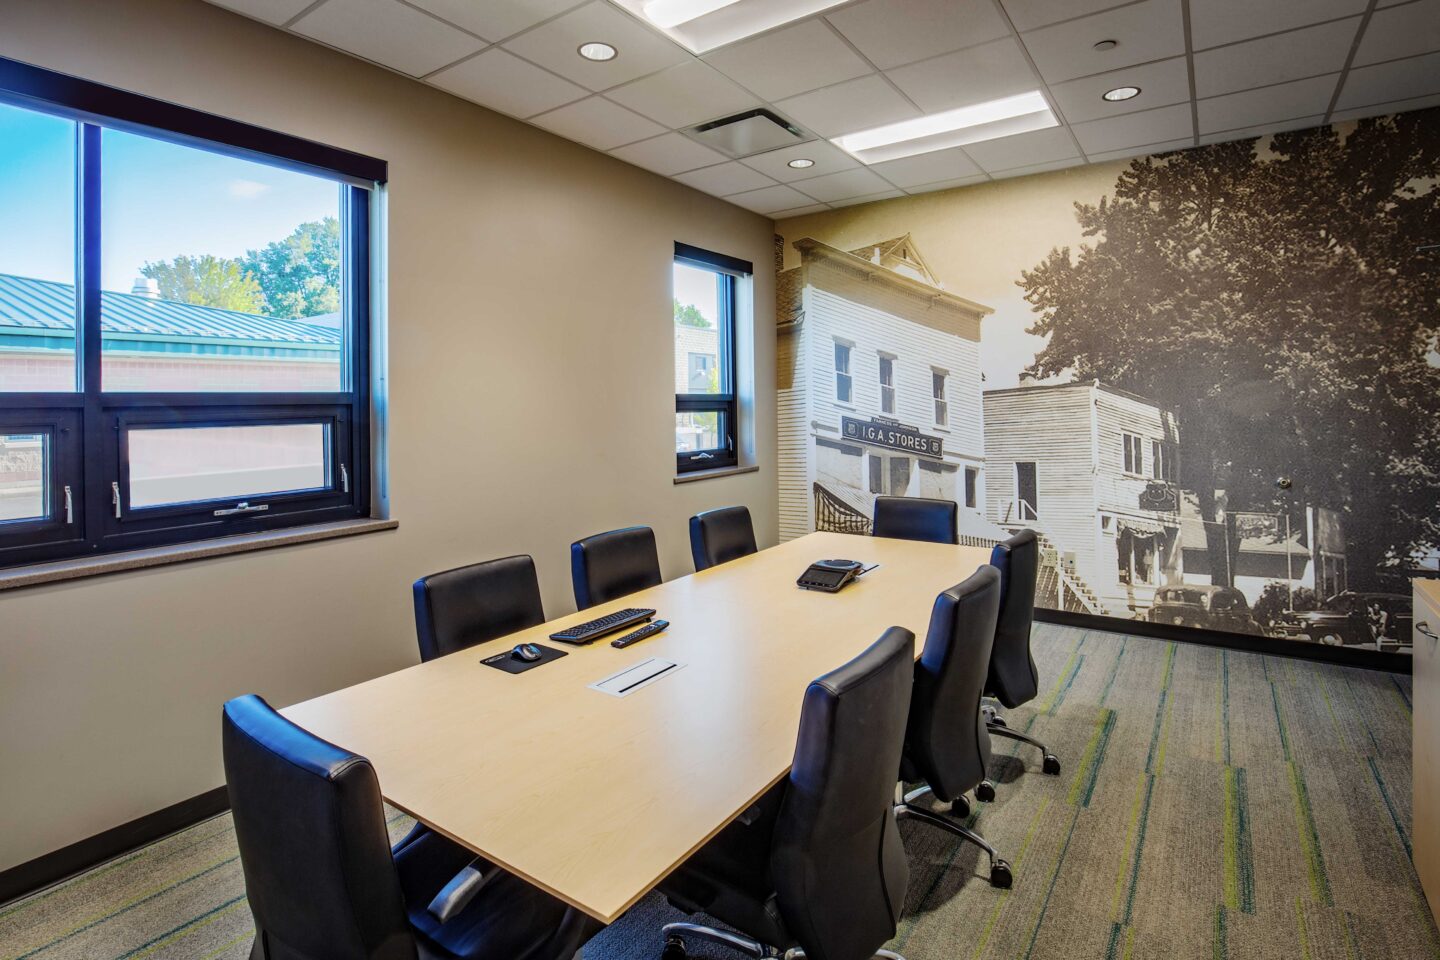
(159,200)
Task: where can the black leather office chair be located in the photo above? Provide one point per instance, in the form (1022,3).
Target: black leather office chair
(468,605)
(1013,679)
(719,536)
(946,744)
(324,884)
(916,518)
(816,868)
(611,565)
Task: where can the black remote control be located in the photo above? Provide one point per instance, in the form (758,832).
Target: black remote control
(653,627)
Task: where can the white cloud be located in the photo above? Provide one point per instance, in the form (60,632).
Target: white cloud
(247,189)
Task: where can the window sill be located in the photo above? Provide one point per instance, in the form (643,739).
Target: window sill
(694,475)
(78,568)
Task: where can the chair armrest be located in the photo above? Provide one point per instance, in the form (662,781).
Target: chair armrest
(462,888)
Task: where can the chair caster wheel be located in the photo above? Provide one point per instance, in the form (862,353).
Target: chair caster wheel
(999,721)
(985,792)
(674,949)
(1051,765)
(960,808)
(1000,875)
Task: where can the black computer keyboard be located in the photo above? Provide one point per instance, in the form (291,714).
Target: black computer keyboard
(594,629)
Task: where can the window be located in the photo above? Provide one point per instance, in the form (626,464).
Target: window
(843,380)
(1162,460)
(887,384)
(1027,490)
(1134,454)
(937,390)
(705,293)
(184,323)
(972,484)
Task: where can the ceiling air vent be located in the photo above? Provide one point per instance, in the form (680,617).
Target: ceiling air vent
(748,133)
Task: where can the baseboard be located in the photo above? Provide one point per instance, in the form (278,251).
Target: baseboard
(1271,646)
(82,855)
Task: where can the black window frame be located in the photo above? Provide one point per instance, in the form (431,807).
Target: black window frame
(887,401)
(89,424)
(732,271)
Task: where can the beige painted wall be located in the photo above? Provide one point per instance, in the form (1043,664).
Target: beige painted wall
(529,403)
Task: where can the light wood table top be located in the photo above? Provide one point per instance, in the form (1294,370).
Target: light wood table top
(597,798)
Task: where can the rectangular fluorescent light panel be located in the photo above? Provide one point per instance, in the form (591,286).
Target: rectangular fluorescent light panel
(954,128)
(703,25)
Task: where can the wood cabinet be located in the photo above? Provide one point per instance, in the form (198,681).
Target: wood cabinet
(1427,739)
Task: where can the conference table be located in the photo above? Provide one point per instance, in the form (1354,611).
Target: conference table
(596,797)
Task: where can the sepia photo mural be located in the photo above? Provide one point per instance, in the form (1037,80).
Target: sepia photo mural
(1209,379)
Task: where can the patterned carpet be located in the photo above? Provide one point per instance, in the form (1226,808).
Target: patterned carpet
(1212,804)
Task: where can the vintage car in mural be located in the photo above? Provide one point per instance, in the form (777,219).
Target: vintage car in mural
(1354,619)
(1203,605)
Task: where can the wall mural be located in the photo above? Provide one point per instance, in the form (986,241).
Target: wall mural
(1209,378)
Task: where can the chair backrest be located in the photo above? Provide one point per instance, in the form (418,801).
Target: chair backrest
(611,565)
(719,536)
(1013,678)
(945,740)
(468,605)
(839,869)
(311,828)
(916,518)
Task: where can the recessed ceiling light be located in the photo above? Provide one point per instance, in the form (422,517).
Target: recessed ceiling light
(801,163)
(982,121)
(1121,93)
(597,51)
(1104,45)
(703,25)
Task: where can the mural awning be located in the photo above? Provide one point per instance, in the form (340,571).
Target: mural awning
(1139,528)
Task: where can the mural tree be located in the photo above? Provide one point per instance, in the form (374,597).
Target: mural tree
(1274,295)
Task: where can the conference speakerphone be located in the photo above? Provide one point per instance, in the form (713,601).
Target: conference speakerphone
(830,576)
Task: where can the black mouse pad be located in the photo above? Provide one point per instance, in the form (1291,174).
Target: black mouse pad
(503,661)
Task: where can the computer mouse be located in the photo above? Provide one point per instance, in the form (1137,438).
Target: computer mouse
(527,652)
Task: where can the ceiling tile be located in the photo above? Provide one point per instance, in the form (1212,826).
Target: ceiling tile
(388,33)
(1161,84)
(725,178)
(868,198)
(271,11)
(504,82)
(684,95)
(669,154)
(1036,168)
(927,167)
(834,187)
(1226,21)
(827,159)
(804,57)
(1400,80)
(1286,56)
(1245,133)
(1149,126)
(1381,109)
(553,45)
(1286,101)
(1041,146)
(848,107)
(985,72)
(1404,31)
(768,200)
(1142,151)
(800,211)
(1152,30)
(598,123)
(892,32)
(1029,14)
(494,19)
(947,184)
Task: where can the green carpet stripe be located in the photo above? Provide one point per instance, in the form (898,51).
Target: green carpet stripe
(1236,853)
(1082,788)
(1309,838)
(1065,678)
(1400,692)
(1050,890)
(1280,723)
(227,945)
(1116,932)
(1155,759)
(1114,671)
(1219,951)
(1395,820)
(1139,849)
(1132,832)
(127,907)
(183,930)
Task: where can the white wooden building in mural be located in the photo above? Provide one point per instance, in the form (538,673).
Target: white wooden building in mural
(1093,469)
(879,389)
